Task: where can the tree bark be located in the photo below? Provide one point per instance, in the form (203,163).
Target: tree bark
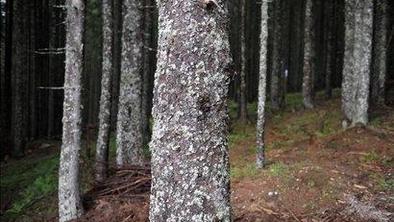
(242,104)
(277,92)
(19,80)
(105,100)
(260,160)
(358,42)
(129,128)
(380,48)
(70,206)
(309,57)
(330,15)
(190,168)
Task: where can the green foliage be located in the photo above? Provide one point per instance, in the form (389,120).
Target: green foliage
(36,180)
(370,157)
(279,169)
(249,170)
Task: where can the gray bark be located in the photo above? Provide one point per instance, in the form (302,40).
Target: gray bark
(190,168)
(52,68)
(70,206)
(242,87)
(105,99)
(309,54)
(357,60)
(378,77)
(260,160)
(129,127)
(330,54)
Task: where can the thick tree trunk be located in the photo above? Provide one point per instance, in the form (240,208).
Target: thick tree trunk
(242,103)
(129,128)
(70,206)
(309,57)
(358,42)
(190,168)
(380,48)
(105,100)
(19,80)
(260,160)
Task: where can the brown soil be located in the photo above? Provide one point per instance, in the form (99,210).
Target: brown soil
(309,176)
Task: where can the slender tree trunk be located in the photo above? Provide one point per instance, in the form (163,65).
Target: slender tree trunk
(70,206)
(277,92)
(309,57)
(190,168)
(105,100)
(52,68)
(380,48)
(129,128)
(260,160)
(19,80)
(242,87)
(330,55)
(358,42)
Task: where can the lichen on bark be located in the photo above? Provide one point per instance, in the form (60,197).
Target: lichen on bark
(357,60)
(129,138)
(190,168)
(70,206)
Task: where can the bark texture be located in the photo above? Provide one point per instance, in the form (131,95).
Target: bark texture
(242,87)
(357,60)
(70,206)
(129,127)
(260,160)
(190,168)
(380,52)
(105,100)
(309,69)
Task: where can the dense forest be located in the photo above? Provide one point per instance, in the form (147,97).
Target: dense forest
(197,110)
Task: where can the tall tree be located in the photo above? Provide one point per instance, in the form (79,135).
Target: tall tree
(129,127)
(330,15)
(277,75)
(309,56)
(242,86)
(379,70)
(190,168)
(358,46)
(260,160)
(105,99)
(19,78)
(70,206)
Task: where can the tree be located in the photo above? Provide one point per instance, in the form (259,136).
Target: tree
(129,127)
(277,74)
(190,168)
(260,160)
(357,60)
(19,78)
(242,86)
(379,70)
(329,11)
(70,206)
(105,100)
(309,56)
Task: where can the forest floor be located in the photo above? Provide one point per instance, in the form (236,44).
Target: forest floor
(316,171)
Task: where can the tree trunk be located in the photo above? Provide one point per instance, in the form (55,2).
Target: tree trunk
(105,100)
(260,160)
(277,93)
(358,42)
(309,57)
(190,168)
(330,15)
(70,206)
(242,87)
(19,80)
(380,47)
(52,68)
(129,128)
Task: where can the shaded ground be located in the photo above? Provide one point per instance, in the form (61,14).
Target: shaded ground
(316,172)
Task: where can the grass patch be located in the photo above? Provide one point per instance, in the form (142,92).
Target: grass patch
(279,169)
(248,170)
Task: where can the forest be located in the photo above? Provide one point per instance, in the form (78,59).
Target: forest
(197,110)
